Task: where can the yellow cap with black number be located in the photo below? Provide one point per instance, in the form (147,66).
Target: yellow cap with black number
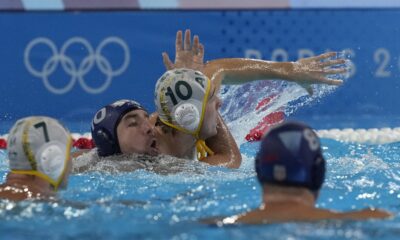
(181,98)
(39,146)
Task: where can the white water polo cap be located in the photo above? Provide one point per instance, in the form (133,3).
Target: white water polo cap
(181,97)
(39,146)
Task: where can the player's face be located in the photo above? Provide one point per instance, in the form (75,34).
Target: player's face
(136,134)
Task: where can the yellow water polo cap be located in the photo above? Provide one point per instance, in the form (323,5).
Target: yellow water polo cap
(181,97)
(39,146)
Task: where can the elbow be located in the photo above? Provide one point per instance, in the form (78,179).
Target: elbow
(235,161)
(224,160)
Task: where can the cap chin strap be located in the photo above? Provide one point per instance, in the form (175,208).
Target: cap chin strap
(203,150)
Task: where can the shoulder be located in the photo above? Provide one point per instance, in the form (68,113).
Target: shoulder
(13,193)
(279,215)
(364,214)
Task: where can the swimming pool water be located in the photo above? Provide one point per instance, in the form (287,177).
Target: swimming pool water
(146,205)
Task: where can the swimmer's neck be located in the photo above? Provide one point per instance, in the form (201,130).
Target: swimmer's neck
(273,195)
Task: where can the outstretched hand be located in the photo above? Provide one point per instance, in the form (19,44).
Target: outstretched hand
(316,70)
(187,55)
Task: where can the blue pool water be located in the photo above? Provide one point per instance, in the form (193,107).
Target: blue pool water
(145,205)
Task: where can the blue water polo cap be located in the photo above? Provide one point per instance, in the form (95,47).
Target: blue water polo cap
(104,126)
(290,155)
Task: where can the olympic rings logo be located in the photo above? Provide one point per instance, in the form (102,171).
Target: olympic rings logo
(76,71)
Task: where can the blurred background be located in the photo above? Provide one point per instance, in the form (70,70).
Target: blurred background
(68,58)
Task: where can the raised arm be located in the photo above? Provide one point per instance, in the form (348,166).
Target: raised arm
(226,151)
(306,71)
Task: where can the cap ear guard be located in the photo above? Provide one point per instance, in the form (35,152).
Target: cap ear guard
(317,170)
(105,139)
(257,168)
(318,173)
(51,160)
(187,116)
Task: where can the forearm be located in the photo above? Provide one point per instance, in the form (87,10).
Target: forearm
(242,70)
(226,151)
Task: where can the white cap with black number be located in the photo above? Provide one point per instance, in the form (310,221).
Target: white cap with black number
(39,146)
(181,97)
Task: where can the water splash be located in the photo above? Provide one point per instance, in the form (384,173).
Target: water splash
(241,109)
(162,164)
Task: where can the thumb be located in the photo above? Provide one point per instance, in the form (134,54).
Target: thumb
(167,62)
